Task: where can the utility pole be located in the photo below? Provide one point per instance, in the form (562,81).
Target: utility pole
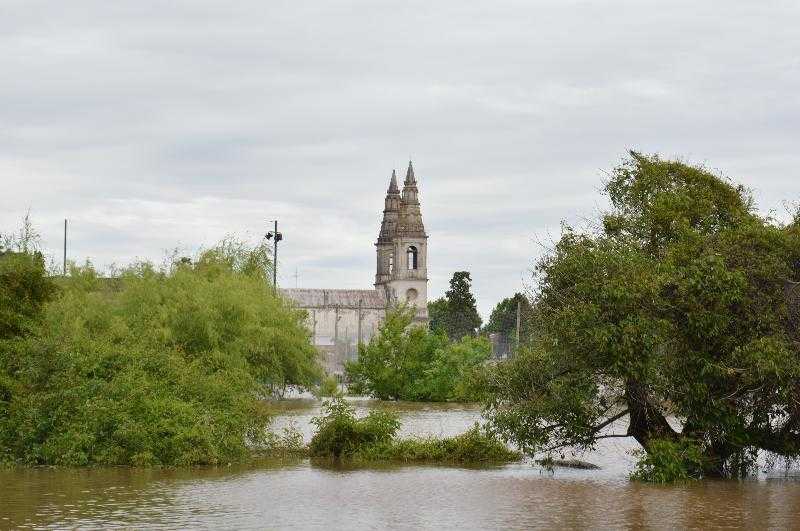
(519,306)
(360,317)
(275,236)
(65,247)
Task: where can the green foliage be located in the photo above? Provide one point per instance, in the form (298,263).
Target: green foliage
(339,433)
(668,461)
(678,307)
(474,446)
(437,314)
(329,387)
(24,288)
(406,362)
(503,319)
(154,367)
(450,373)
(372,438)
(456,313)
(24,284)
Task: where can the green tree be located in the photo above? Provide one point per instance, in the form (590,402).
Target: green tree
(677,308)
(408,362)
(437,314)
(458,316)
(503,319)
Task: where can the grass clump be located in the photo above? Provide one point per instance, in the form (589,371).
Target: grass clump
(340,434)
(288,443)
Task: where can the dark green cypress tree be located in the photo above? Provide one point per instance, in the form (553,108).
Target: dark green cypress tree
(461,318)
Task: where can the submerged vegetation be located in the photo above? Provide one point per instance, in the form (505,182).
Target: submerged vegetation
(668,461)
(152,367)
(408,362)
(340,434)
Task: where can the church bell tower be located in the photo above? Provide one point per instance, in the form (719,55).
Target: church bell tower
(402,247)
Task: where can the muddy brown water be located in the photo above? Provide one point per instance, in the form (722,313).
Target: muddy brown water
(298,494)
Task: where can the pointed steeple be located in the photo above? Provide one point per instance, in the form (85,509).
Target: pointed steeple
(391,211)
(410,174)
(393,189)
(410,222)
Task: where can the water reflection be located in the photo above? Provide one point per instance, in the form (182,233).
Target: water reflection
(302,494)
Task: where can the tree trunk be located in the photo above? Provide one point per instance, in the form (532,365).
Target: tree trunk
(646,421)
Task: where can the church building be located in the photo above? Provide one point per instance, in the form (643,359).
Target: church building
(340,319)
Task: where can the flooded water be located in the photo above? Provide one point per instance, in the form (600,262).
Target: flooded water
(302,495)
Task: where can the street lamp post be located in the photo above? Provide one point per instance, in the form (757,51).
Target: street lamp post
(275,236)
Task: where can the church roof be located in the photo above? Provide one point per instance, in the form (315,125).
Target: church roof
(343,298)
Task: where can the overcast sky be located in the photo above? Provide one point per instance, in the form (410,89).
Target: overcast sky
(155,125)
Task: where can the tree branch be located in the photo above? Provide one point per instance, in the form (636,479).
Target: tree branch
(610,420)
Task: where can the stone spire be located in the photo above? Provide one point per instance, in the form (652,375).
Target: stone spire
(391,211)
(393,189)
(410,215)
(410,186)
(410,179)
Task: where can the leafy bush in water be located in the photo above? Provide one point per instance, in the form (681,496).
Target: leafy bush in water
(407,362)
(474,446)
(668,461)
(372,438)
(154,367)
(340,433)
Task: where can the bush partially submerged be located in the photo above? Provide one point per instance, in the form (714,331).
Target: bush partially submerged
(372,438)
(340,433)
(474,446)
(158,367)
(669,461)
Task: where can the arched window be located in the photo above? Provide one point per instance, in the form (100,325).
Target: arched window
(391,264)
(412,257)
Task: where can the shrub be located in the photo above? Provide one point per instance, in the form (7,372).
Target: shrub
(474,446)
(372,438)
(669,461)
(340,433)
(329,387)
(155,367)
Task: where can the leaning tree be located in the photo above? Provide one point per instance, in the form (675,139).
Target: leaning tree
(668,323)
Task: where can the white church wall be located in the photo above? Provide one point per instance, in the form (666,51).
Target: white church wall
(335,332)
